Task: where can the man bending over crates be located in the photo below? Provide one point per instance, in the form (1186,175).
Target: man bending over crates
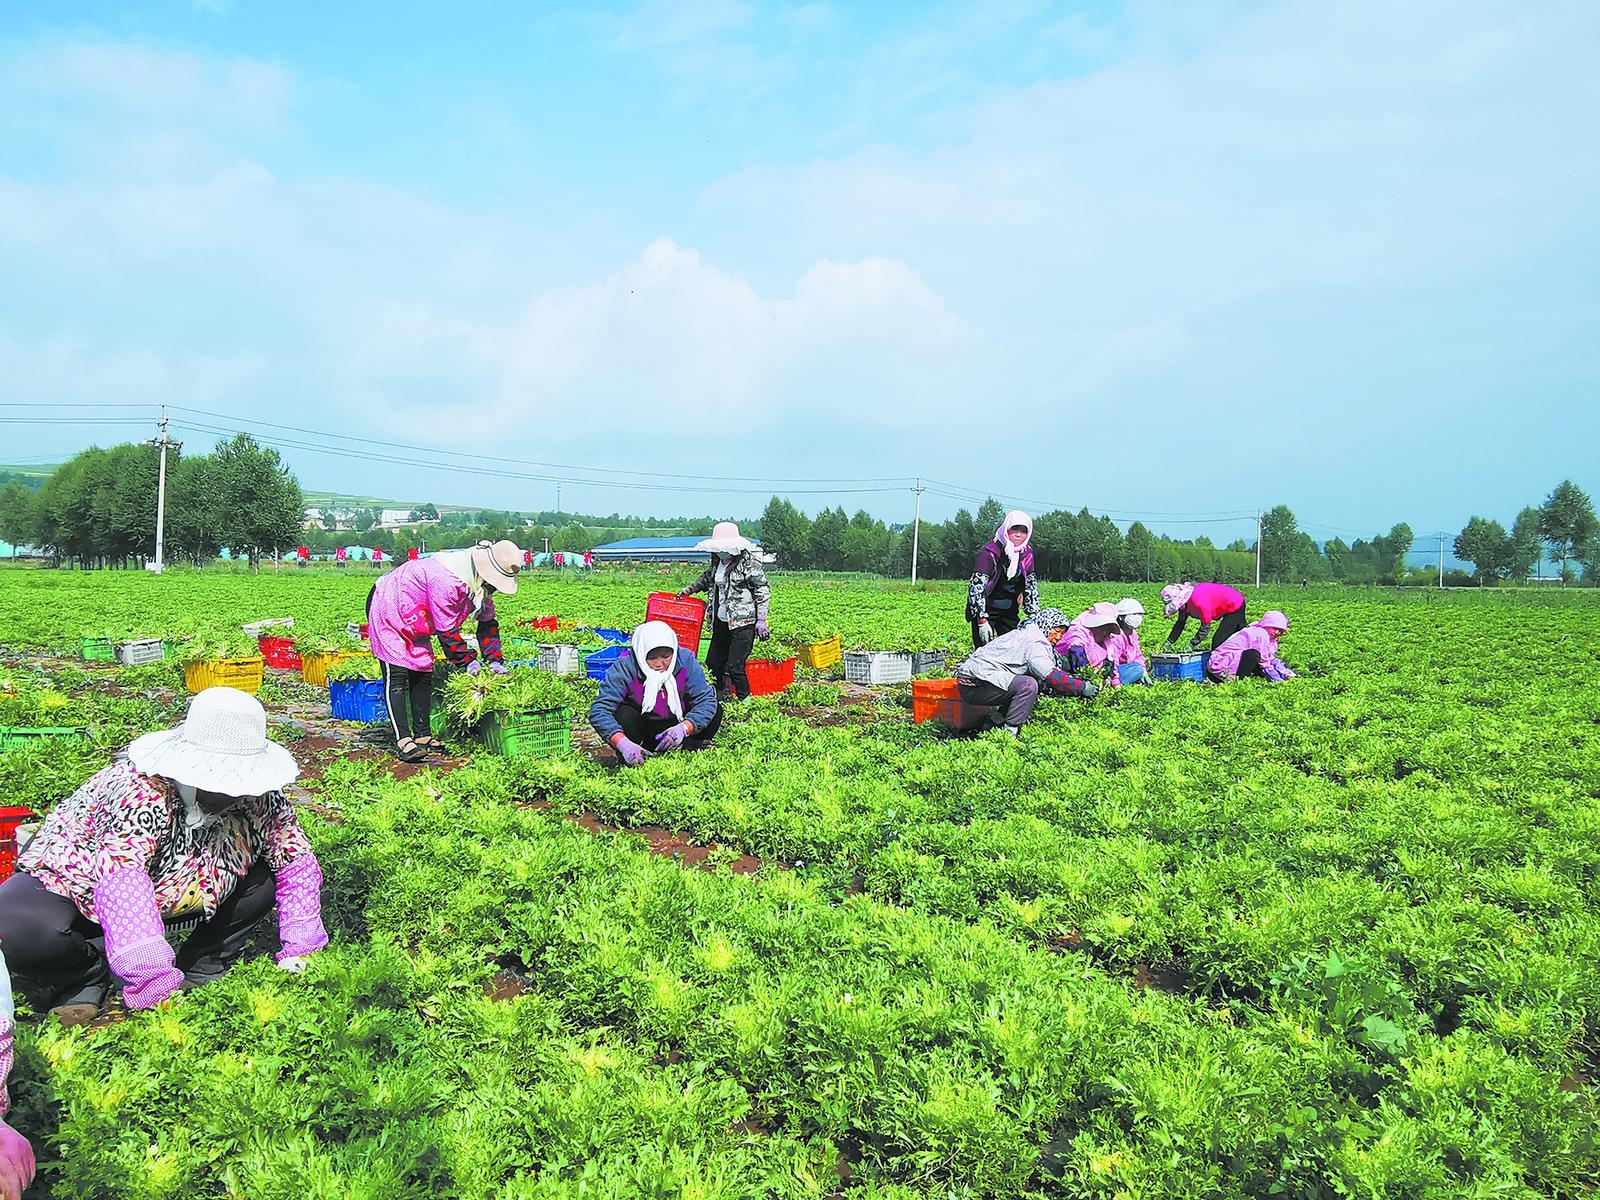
(1008,672)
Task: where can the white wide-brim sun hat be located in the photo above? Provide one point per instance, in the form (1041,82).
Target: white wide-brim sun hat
(726,539)
(221,747)
(497,564)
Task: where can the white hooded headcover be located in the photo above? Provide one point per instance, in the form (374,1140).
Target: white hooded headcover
(657,635)
(1014,553)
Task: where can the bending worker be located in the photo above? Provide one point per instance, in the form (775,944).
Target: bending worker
(433,597)
(1003,580)
(655,698)
(1126,651)
(190,830)
(1009,671)
(739,594)
(1212,603)
(1089,642)
(1252,652)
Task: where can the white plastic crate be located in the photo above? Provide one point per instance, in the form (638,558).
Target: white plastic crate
(924,662)
(141,651)
(877,666)
(256,628)
(563,660)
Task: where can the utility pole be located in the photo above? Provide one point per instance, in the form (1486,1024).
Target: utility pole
(161,485)
(1258,550)
(916,532)
(1441,561)
(558,499)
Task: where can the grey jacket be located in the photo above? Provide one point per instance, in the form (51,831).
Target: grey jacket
(1024,651)
(748,593)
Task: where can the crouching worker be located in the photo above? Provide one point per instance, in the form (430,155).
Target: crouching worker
(1090,643)
(655,699)
(1125,649)
(189,831)
(16,1155)
(1009,672)
(1213,603)
(1252,652)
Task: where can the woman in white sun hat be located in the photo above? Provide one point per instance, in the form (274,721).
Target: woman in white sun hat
(433,597)
(739,594)
(189,830)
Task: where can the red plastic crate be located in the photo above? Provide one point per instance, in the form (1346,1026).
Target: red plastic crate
(280,653)
(769,675)
(11,815)
(940,700)
(684,613)
(548,624)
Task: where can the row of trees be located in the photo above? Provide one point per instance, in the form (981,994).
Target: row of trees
(1565,522)
(99,508)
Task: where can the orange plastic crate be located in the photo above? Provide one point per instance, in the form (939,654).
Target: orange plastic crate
(769,675)
(11,816)
(685,614)
(940,700)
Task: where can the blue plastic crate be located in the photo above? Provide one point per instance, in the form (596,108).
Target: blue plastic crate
(597,664)
(618,636)
(1191,666)
(357,699)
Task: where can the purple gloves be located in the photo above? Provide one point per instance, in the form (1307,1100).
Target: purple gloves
(16,1162)
(632,753)
(763,631)
(1277,670)
(474,667)
(136,951)
(672,738)
(499,668)
(300,910)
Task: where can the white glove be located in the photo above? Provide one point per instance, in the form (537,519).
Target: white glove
(985,633)
(295,965)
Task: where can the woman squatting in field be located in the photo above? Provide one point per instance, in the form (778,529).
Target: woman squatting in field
(433,597)
(655,699)
(1003,580)
(1009,672)
(1252,652)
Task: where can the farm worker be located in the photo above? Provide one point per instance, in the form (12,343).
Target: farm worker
(1088,643)
(739,594)
(433,597)
(1212,603)
(1126,651)
(1252,652)
(189,830)
(1003,581)
(1009,671)
(655,698)
(16,1155)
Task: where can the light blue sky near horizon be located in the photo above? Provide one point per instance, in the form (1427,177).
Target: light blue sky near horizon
(1173,259)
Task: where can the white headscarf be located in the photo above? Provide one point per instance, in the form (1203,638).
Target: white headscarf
(460,565)
(1014,553)
(656,635)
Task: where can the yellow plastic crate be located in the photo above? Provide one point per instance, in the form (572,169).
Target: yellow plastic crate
(817,655)
(314,666)
(242,673)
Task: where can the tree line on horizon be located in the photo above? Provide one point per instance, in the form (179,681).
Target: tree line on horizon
(100,508)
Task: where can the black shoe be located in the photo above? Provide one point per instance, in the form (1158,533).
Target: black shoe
(415,754)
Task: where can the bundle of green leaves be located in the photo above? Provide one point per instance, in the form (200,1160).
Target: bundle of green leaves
(470,698)
(355,666)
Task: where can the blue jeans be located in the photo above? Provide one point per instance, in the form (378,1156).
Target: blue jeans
(1131,672)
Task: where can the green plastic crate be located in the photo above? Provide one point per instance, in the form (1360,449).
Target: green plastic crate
(544,733)
(12,737)
(99,650)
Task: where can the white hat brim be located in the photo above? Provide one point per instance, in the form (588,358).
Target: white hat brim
(167,754)
(736,546)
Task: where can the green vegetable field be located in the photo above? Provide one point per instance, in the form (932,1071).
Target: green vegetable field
(1337,937)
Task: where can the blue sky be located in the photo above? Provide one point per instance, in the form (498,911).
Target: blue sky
(1154,258)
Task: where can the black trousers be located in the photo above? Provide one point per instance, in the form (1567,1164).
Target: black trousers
(1228,624)
(1001,622)
(48,941)
(644,730)
(727,655)
(1250,664)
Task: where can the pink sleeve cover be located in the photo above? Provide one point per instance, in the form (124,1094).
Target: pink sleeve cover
(300,908)
(136,951)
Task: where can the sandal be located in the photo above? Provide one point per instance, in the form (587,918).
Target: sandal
(407,751)
(430,745)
